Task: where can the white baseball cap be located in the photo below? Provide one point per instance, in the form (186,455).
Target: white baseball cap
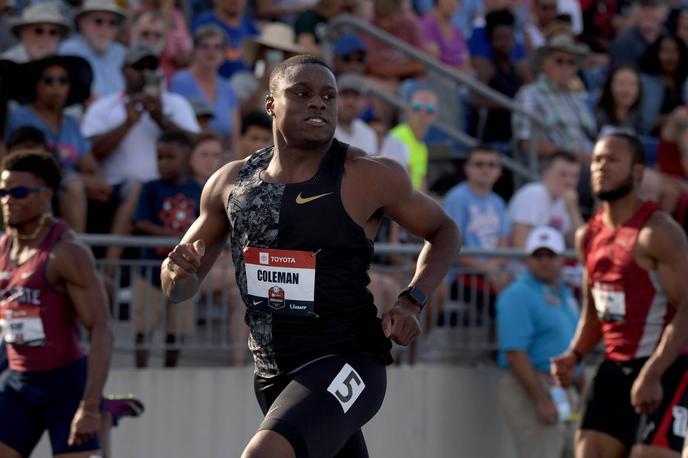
(545,237)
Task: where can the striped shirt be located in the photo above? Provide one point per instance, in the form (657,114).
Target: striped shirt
(566,110)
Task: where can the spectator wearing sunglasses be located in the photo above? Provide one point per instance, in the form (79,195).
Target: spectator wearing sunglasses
(481,216)
(350,54)
(98,22)
(125,126)
(44,88)
(558,101)
(536,319)
(420,114)
(39,29)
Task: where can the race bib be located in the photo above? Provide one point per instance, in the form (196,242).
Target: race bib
(610,302)
(280,281)
(22,326)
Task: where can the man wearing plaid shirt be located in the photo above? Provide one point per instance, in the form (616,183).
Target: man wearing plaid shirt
(558,99)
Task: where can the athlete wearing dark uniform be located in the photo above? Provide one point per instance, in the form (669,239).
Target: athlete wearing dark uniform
(633,311)
(47,375)
(313,251)
(300,216)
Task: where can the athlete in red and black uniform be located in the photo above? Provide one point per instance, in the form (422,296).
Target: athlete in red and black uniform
(635,300)
(48,285)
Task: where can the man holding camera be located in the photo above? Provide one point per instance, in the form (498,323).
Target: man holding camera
(124,127)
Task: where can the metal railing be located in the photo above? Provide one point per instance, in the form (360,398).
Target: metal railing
(529,172)
(458,324)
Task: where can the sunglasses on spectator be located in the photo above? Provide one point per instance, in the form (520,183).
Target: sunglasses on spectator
(99,21)
(40,31)
(489,164)
(151,34)
(544,253)
(567,62)
(59,80)
(355,57)
(20,192)
(417,106)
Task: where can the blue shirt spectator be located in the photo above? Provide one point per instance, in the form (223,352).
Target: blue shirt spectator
(537,318)
(537,314)
(107,67)
(480,47)
(69,143)
(168,205)
(183,83)
(236,36)
(482,219)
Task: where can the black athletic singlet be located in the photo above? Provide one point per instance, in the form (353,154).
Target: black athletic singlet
(301,266)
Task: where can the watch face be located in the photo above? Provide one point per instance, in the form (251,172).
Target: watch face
(416,295)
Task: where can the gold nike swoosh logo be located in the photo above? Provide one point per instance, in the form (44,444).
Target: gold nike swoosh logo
(304,200)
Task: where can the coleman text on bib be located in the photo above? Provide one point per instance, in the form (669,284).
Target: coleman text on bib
(280,281)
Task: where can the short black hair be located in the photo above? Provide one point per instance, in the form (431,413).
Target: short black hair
(256,118)
(498,18)
(559,155)
(635,146)
(38,163)
(283,67)
(176,136)
(23,134)
(481,148)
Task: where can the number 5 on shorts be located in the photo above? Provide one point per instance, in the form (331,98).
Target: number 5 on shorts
(346,387)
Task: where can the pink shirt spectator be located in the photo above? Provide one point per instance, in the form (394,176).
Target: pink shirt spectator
(178,41)
(453,51)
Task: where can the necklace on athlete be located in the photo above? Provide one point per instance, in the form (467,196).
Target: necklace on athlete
(34,234)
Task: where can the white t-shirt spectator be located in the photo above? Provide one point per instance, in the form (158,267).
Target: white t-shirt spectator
(135,157)
(394,148)
(533,205)
(362,136)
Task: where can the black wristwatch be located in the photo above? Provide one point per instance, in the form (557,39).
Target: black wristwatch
(415,295)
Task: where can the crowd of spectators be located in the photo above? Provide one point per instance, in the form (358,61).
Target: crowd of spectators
(100,83)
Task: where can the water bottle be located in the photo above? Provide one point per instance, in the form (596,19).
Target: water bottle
(561,401)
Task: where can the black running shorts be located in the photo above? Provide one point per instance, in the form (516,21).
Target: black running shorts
(321,408)
(608,406)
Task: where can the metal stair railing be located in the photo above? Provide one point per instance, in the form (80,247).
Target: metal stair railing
(529,172)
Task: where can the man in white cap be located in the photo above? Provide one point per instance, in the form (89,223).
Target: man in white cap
(98,22)
(536,319)
(39,29)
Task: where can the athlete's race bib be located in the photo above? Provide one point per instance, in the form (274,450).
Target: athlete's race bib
(280,281)
(610,302)
(22,325)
